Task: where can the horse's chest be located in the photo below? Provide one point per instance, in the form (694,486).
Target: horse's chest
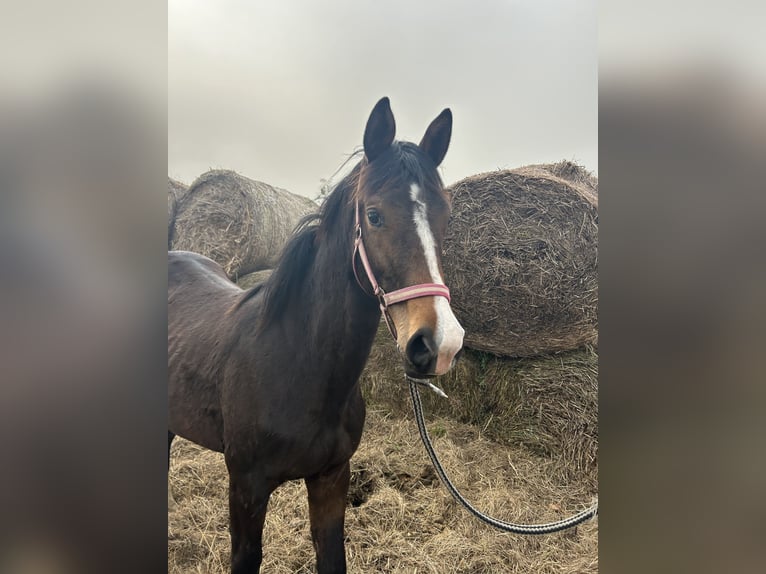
(289,442)
(333,447)
(326,449)
(329,445)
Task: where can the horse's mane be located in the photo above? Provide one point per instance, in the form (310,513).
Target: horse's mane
(333,223)
(299,252)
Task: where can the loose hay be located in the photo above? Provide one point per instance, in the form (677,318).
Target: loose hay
(399,518)
(548,404)
(521,260)
(252,279)
(240,223)
(176,192)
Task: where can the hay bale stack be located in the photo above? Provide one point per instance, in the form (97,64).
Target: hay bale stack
(252,279)
(240,223)
(548,404)
(176,192)
(521,260)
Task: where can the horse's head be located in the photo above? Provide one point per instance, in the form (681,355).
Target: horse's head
(403,212)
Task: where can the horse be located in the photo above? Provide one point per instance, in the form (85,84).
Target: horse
(270,376)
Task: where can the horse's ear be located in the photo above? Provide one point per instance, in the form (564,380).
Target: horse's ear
(380,130)
(436,139)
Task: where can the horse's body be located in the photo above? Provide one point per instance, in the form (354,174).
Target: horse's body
(270,376)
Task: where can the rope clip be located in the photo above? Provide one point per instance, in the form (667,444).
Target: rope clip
(428,384)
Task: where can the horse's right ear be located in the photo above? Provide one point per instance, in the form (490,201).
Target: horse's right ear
(380,130)
(436,139)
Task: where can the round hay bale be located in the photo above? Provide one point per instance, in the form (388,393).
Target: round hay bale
(240,223)
(548,403)
(575,174)
(254,278)
(521,261)
(176,192)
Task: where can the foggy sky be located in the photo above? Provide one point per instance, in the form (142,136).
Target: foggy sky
(280,91)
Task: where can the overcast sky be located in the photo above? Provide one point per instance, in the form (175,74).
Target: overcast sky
(280,90)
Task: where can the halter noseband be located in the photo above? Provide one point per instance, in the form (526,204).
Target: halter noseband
(398,296)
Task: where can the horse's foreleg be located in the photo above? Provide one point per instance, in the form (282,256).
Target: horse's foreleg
(327,508)
(248,498)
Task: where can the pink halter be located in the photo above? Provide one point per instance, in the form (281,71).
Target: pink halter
(398,296)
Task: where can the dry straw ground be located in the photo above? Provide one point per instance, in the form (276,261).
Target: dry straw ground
(521,259)
(525,451)
(240,223)
(399,518)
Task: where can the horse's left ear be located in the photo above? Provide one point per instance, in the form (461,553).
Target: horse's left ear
(436,139)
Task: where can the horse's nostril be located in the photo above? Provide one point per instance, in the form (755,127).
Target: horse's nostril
(421,350)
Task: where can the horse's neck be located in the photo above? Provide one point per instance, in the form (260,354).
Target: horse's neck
(328,323)
(346,318)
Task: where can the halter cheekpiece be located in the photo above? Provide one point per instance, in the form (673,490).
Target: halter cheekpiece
(394,297)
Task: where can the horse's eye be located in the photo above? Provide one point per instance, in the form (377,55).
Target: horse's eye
(374,218)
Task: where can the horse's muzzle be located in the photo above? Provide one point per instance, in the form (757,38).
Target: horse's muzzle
(423,358)
(421,353)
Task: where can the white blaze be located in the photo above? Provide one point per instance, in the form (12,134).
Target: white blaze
(448,334)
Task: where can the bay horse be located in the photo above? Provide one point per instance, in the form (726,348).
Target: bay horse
(270,376)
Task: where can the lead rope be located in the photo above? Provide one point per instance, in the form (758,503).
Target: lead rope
(431,289)
(500,524)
